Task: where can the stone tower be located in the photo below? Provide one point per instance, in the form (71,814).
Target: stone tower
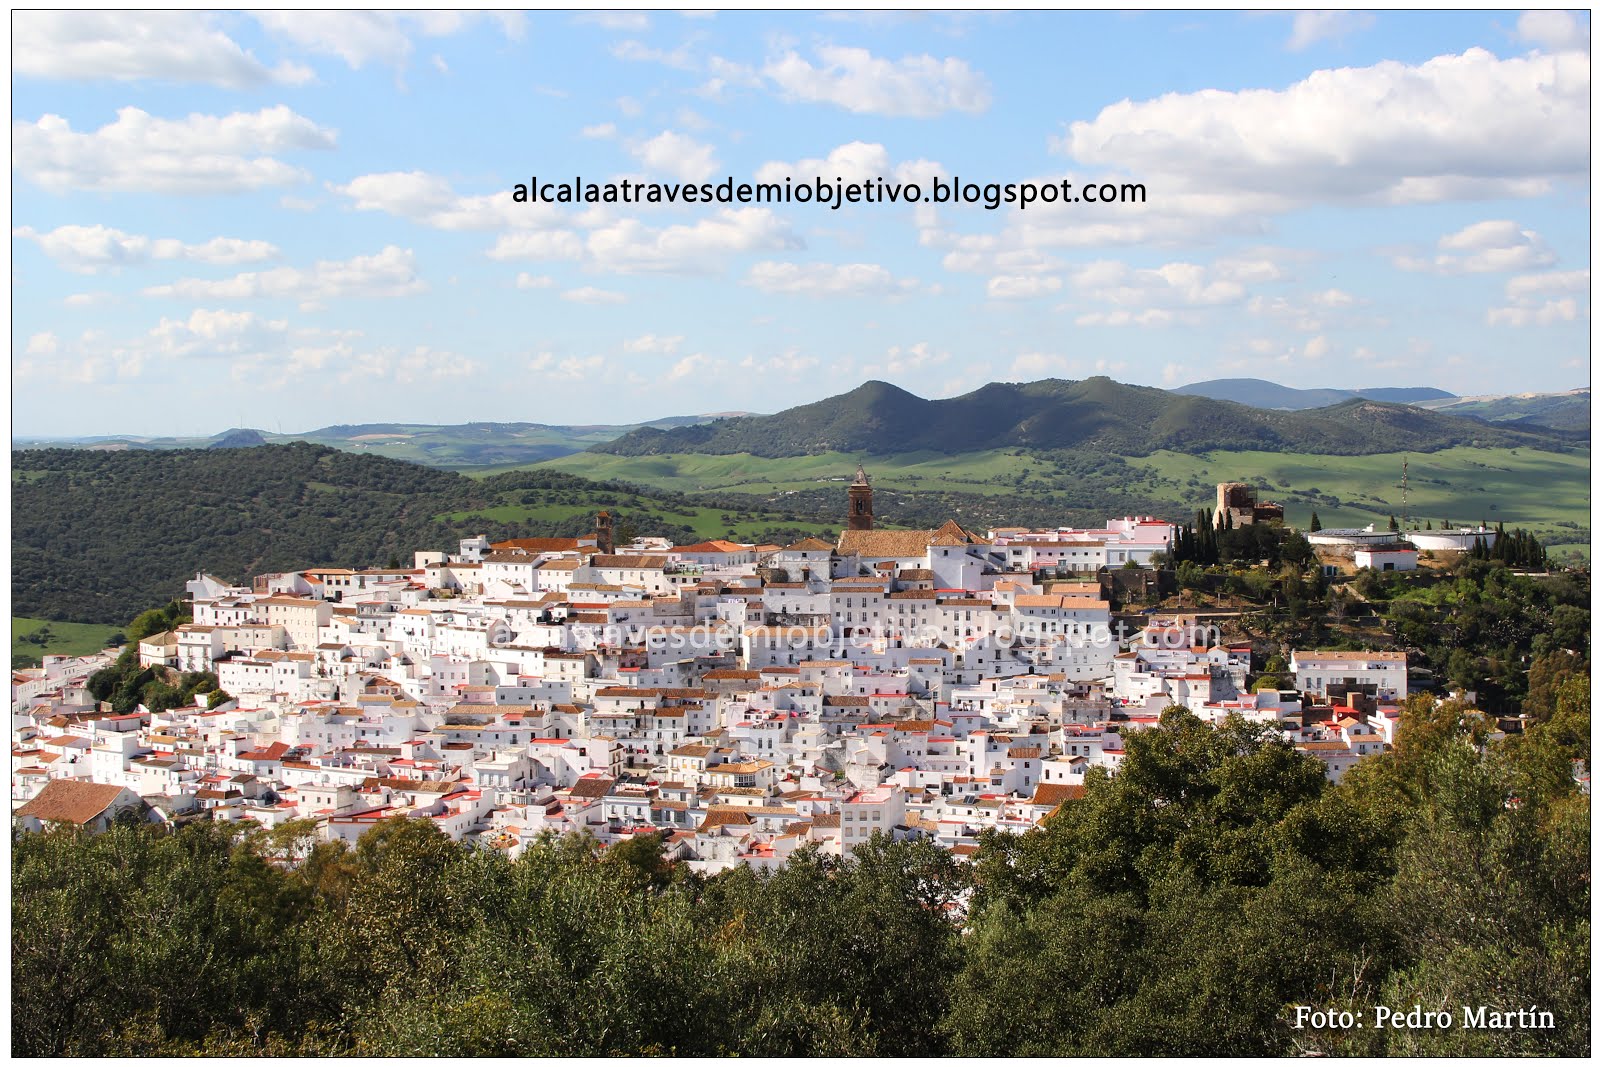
(604,539)
(860,517)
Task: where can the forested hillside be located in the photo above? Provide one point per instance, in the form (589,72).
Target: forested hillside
(1181,908)
(1095,414)
(100,536)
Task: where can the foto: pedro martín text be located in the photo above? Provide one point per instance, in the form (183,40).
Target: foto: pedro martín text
(1480,1017)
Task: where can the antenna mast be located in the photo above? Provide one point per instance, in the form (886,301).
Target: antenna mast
(1405,491)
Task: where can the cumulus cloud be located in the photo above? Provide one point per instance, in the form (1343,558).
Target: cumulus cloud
(1313,26)
(538,244)
(141,153)
(1554,31)
(413,366)
(529,281)
(629,247)
(652,343)
(171,46)
(92,249)
(688,367)
(857,161)
(1170,285)
(362,37)
(389,273)
(675,154)
(1021,286)
(828,279)
(1469,125)
(569,368)
(856,80)
(1494,245)
(1543,299)
(429,200)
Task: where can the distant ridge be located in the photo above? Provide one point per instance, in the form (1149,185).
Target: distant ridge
(1259,393)
(1097,413)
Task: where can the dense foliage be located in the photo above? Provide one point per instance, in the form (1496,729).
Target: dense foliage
(1096,414)
(1482,627)
(97,536)
(1182,907)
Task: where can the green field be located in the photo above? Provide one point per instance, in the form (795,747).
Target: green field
(974,472)
(1547,492)
(66,639)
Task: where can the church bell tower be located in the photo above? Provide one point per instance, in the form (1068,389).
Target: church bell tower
(860,517)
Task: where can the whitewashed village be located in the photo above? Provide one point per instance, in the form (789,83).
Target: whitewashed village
(741,700)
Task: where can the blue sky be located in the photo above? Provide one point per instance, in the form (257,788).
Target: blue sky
(286,221)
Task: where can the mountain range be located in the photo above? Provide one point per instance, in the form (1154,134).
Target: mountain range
(1096,414)
(1259,393)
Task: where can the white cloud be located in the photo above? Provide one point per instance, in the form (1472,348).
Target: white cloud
(539,244)
(170,46)
(1313,26)
(1032,365)
(1317,347)
(90,249)
(1551,311)
(529,281)
(1468,125)
(1170,285)
(1554,31)
(588,294)
(429,200)
(407,367)
(1021,286)
(629,247)
(688,367)
(790,364)
(1152,317)
(1494,245)
(141,153)
(217,334)
(680,58)
(651,343)
(621,21)
(856,80)
(828,279)
(362,37)
(389,273)
(1542,299)
(860,162)
(1531,285)
(909,359)
(570,368)
(675,154)
(599,131)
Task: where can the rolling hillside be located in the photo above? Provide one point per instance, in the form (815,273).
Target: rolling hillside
(1127,420)
(1567,411)
(99,536)
(468,446)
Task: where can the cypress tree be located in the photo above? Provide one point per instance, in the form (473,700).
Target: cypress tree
(1316,523)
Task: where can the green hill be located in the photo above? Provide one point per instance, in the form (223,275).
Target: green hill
(1097,413)
(1561,411)
(99,536)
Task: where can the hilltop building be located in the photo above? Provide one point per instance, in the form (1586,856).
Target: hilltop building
(1237,501)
